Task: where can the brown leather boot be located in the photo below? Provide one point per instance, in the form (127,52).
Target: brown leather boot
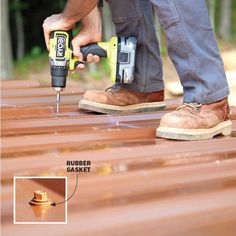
(196,121)
(121,100)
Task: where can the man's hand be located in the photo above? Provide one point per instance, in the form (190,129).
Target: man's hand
(55,22)
(74,11)
(91,31)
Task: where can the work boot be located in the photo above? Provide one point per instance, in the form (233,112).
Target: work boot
(193,121)
(120,100)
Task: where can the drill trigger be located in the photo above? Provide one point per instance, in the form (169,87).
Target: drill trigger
(79,62)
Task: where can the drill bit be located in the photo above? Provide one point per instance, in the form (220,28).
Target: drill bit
(58,101)
(58,97)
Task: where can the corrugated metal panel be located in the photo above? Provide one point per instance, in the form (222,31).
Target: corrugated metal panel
(139,185)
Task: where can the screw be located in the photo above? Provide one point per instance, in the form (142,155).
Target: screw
(40,196)
(40,199)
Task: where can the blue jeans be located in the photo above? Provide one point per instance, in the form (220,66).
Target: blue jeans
(191,46)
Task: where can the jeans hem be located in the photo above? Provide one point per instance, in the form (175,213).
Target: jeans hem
(143,89)
(214,97)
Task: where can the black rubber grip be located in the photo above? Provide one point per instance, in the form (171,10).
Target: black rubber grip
(94,49)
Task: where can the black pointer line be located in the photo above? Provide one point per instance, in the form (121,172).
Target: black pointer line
(55,204)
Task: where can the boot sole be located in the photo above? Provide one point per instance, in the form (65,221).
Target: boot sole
(112,109)
(224,128)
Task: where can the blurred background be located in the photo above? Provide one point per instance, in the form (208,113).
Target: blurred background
(24,55)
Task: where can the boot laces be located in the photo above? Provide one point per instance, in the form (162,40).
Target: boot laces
(109,89)
(191,105)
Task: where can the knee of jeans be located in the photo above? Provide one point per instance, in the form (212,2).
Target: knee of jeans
(168,22)
(124,11)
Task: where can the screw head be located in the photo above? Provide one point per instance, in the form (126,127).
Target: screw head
(40,199)
(40,196)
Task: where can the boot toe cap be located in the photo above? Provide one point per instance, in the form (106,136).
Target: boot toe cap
(176,120)
(169,120)
(95,96)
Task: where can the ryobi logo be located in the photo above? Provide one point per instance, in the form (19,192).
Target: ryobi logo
(60,49)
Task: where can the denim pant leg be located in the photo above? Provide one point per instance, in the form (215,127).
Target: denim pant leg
(134,18)
(193,49)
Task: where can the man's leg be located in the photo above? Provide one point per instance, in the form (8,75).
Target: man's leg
(133,18)
(193,49)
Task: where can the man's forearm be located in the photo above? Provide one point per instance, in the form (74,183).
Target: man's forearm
(75,10)
(93,19)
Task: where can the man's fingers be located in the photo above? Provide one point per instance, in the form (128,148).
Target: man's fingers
(80,67)
(49,26)
(52,23)
(46,34)
(89,58)
(96,58)
(46,37)
(76,49)
(92,58)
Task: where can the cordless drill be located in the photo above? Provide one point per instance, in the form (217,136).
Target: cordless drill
(120,52)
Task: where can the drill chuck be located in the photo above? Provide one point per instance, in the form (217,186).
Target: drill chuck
(59,74)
